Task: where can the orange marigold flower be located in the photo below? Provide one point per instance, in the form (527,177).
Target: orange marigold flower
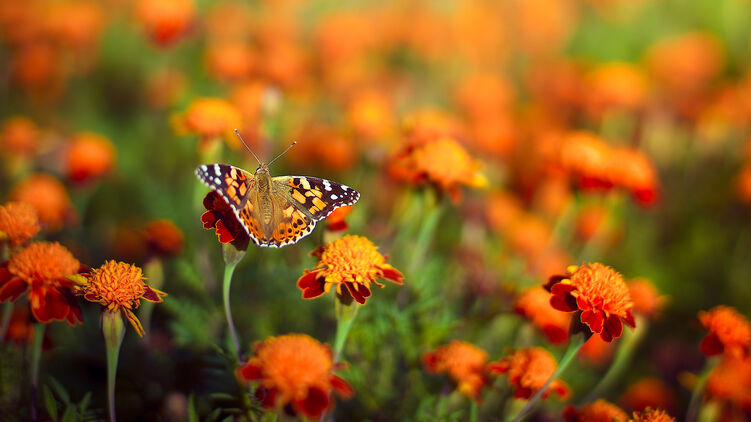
(616,86)
(534,304)
(75,24)
(647,300)
(463,362)
(230,61)
(19,136)
(370,114)
(599,296)
(587,157)
(632,170)
(352,262)
(19,222)
(41,269)
(729,332)
(743,184)
(652,415)
(649,392)
(599,411)
(686,63)
(166,20)
(118,287)
(294,370)
(443,162)
(48,196)
(211,118)
(730,382)
(221,217)
(336,221)
(89,156)
(528,370)
(163,238)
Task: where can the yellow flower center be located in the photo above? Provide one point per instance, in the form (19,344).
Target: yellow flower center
(351,259)
(603,288)
(116,285)
(446,162)
(43,262)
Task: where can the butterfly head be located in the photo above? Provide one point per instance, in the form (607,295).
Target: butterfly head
(262,168)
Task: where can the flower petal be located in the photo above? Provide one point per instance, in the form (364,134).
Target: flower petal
(392,274)
(250,372)
(267,396)
(13,289)
(314,403)
(594,319)
(343,389)
(613,326)
(48,304)
(310,285)
(153,295)
(563,302)
(134,322)
(359,292)
(711,345)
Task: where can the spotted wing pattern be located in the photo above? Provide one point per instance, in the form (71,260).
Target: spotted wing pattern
(288,226)
(232,183)
(320,197)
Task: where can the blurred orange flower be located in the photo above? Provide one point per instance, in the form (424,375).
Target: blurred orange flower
(221,217)
(336,221)
(19,222)
(599,296)
(324,146)
(587,157)
(686,63)
(615,86)
(165,87)
(230,61)
(209,119)
(41,269)
(36,68)
(632,169)
(743,184)
(427,124)
(528,370)
(590,220)
(75,24)
(19,136)
(647,300)
(165,21)
(352,262)
(649,392)
(652,415)
(730,383)
(89,156)
(729,332)
(463,362)
(163,238)
(599,411)
(534,304)
(443,162)
(294,370)
(370,115)
(483,95)
(118,287)
(48,196)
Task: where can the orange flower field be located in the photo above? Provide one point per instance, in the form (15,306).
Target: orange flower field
(447,210)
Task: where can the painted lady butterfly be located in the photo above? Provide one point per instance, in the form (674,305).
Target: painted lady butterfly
(275,211)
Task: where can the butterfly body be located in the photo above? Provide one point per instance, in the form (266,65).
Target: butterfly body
(275,211)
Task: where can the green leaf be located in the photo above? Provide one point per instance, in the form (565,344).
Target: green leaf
(192,412)
(60,390)
(84,403)
(214,415)
(70,414)
(50,403)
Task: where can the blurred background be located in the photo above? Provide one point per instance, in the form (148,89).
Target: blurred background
(614,131)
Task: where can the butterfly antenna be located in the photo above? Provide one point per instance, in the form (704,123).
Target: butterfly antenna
(283,152)
(237,132)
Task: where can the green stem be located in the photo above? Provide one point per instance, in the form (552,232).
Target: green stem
(7,312)
(345,316)
(696,395)
(626,348)
(229,269)
(36,357)
(114,331)
(425,235)
(576,343)
(473,411)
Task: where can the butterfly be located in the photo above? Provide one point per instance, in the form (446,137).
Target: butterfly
(275,211)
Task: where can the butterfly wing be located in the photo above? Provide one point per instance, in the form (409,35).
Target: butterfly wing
(315,197)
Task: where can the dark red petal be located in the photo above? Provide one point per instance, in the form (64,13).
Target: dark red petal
(342,388)
(251,372)
(613,326)
(224,234)
(267,396)
(358,292)
(208,219)
(311,287)
(152,295)
(570,414)
(314,403)
(553,280)
(429,360)
(606,336)
(594,319)
(562,288)
(392,274)
(13,289)
(48,304)
(523,392)
(74,314)
(563,302)
(500,367)
(629,319)
(555,334)
(711,345)
(337,226)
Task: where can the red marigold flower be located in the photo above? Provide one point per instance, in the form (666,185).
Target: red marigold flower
(118,287)
(48,196)
(528,370)
(336,221)
(599,411)
(729,332)
(652,415)
(730,382)
(463,362)
(220,216)
(163,238)
(89,156)
(632,170)
(41,269)
(443,162)
(599,293)
(352,262)
(166,20)
(649,393)
(294,370)
(19,222)
(19,136)
(534,304)
(587,157)
(209,119)
(647,300)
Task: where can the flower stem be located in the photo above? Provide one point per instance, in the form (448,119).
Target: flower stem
(698,393)
(345,316)
(7,312)
(229,269)
(36,357)
(576,343)
(473,411)
(114,331)
(626,347)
